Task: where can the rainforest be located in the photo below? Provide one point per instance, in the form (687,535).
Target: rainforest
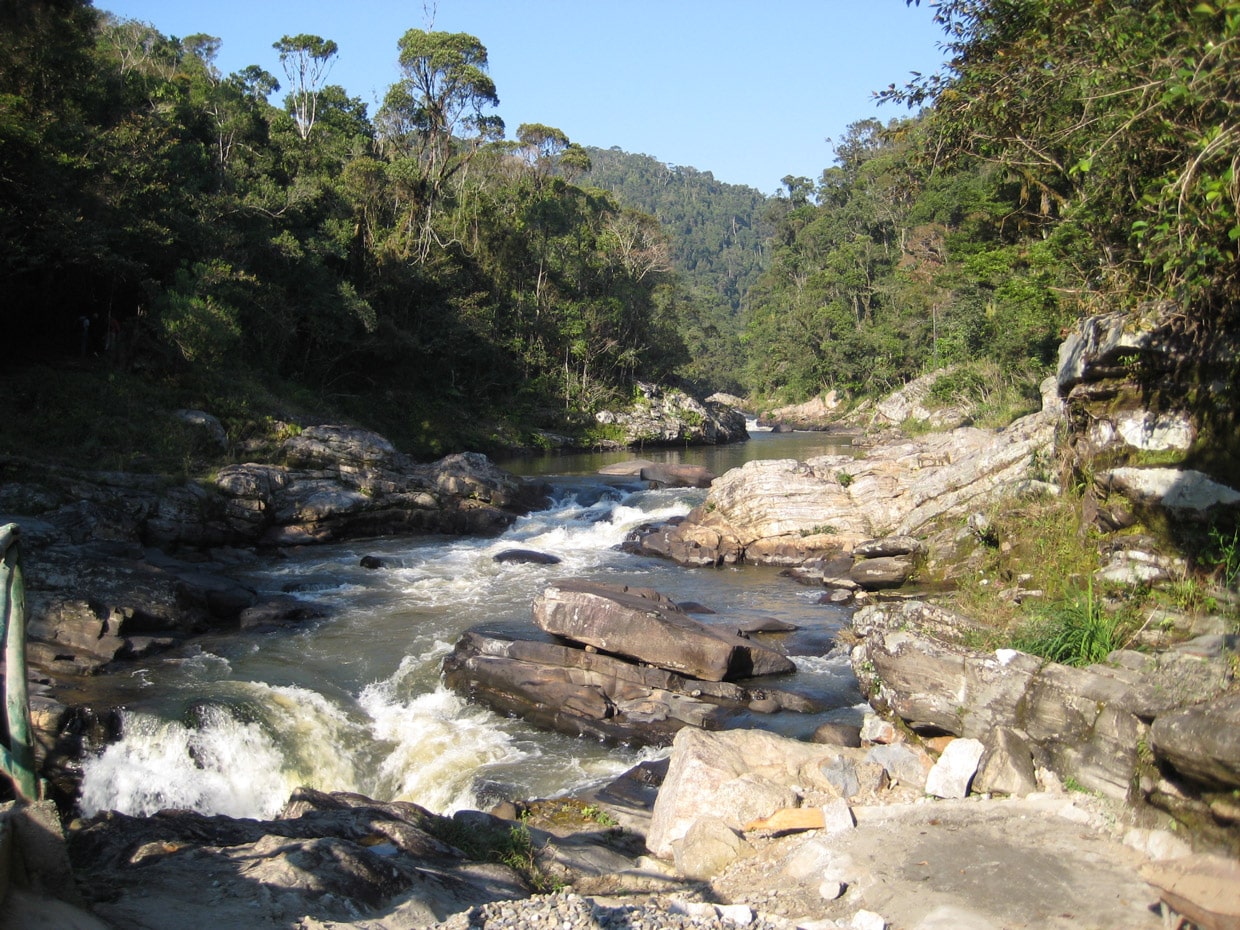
(264,247)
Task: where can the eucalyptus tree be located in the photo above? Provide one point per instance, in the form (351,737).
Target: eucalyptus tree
(306,60)
(541,146)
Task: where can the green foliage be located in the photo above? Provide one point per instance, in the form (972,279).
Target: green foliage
(1223,556)
(598,815)
(884,271)
(510,844)
(194,317)
(1117,122)
(1076,630)
(420,272)
(408,272)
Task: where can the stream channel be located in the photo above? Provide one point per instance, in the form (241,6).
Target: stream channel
(354,702)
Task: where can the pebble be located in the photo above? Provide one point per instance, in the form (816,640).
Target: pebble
(568,911)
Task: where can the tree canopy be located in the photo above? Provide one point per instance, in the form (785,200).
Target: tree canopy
(166,219)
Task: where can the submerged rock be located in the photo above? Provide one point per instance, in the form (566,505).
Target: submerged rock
(526,557)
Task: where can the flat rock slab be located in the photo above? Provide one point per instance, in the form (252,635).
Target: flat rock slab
(643,625)
(1022,864)
(586,693)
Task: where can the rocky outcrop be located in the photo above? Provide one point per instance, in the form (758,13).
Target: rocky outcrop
(644,626)
(342,482)
(665,416)
(338,482)
(327,857)
(1122,728)
(784,512)
(817,413)
(1151,409)
(917,402)
(571,690)
(628,666)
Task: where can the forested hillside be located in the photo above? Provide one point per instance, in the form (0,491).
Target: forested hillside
(887,268)
(718,238)
(412,268)
(1072,157)
(262,244)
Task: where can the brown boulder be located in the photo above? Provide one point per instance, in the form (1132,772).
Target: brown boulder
(641,625)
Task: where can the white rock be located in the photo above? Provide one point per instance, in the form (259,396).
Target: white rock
(837,817)
(698,909)
(1155,432)
(739,914)
(868,920)
(955,769)
(829,890)
(815,859)
(1176,488)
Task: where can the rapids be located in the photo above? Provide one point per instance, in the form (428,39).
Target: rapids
(354,702)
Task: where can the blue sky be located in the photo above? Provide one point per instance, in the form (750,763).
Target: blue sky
(749,90)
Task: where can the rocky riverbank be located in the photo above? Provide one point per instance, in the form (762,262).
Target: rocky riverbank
(987,789)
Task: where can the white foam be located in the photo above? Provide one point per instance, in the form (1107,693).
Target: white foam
(436,743)
(225,765)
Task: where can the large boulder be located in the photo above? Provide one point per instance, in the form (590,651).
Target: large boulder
(737,776)
(642,625)
(666,416)
(584,692)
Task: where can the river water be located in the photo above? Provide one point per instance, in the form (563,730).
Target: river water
(354,702)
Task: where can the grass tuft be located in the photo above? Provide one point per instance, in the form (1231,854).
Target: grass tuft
(1075,631)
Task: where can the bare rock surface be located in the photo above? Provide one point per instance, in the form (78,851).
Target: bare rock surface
(1161,725)
(785,512)
(1048,862)
(642,625)
(344,862)
(665,416)
(333,857)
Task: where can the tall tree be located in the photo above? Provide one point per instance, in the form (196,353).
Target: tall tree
(441,99)
(307,60)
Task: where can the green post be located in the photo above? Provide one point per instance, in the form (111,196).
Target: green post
(17,756)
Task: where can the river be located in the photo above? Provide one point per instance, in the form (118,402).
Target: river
(354,702)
